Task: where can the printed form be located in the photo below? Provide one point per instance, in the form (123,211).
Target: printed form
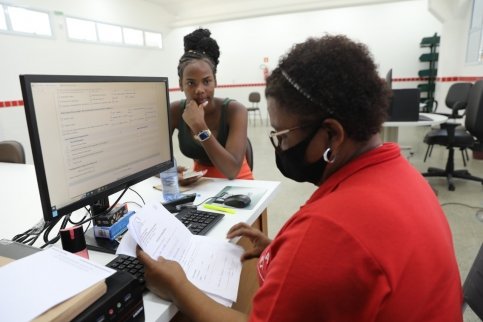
(211,264)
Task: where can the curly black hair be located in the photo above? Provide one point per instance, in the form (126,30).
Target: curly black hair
(199,45)
(332,76)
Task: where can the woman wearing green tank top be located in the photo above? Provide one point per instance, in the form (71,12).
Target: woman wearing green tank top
(212,131)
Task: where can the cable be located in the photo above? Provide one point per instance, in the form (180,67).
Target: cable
(459,204)
(31,235)
(83,218)
(137,194)
(207,199)
(478,214)
(134,202)
(48,241)
(107,211)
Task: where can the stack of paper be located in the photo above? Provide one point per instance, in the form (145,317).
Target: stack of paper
(36,283)
(213,265)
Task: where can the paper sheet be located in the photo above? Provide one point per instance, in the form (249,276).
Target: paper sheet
(211,264)
(34,284)
(127,246)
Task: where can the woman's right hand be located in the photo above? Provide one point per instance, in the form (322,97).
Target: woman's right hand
(259,240)
(194,115)
(162,276)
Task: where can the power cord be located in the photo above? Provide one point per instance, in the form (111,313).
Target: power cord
(478,214)
(65,220)
(31,235)
(138,195)
(459,204)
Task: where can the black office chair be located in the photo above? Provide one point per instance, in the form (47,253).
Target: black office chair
(254,99)
(11,152)
(456,100)
(249,154)
(473,286)
(463,138)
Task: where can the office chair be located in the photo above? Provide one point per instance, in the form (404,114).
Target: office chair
(11,152)
(462,138)
(456,100)
(473,286)
(254,99)
(249,154)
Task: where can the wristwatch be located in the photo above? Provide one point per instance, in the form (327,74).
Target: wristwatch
(203,135)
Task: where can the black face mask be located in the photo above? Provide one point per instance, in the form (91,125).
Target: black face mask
(292,164)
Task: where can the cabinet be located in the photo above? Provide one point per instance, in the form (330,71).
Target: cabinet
(430,61)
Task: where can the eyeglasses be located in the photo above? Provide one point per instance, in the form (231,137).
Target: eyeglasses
(277,137)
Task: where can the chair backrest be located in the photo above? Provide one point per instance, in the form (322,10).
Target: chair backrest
(474,111)
(249,154)
(254,97)
(457,97)
(12,152)
(473,286)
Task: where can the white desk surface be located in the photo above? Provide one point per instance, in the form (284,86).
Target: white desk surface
(390,130)
(20,209)
(435,119)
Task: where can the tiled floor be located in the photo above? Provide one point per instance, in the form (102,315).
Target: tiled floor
(460,206)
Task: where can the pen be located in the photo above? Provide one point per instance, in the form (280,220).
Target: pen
(219,208)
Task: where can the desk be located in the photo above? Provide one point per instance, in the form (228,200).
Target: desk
(20,209)
(390,129)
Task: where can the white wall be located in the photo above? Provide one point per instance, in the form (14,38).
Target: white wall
(391,31)
(455,17)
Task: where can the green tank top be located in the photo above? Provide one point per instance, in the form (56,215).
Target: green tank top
(192,148)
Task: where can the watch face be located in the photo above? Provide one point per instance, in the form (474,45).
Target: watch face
(204,135)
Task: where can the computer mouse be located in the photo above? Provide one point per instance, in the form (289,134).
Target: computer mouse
(237,201)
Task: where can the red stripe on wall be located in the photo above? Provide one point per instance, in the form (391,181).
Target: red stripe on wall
(409,79)
(443,79)
(460,79)
(11,103)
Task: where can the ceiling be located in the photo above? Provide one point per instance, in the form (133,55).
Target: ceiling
(197,12)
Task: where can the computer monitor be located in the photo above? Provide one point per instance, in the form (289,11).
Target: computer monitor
(92,136)
(389,78)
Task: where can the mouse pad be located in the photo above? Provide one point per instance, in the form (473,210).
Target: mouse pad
(255,194)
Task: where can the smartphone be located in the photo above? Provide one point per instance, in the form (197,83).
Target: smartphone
(171,206)
(192,174)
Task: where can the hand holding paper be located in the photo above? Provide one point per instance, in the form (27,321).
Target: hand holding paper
(212,265)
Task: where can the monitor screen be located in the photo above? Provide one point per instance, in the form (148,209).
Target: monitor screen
(92,136)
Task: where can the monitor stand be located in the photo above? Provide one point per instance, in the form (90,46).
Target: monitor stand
(104,245)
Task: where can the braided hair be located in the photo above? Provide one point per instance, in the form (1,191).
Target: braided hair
(331,76)
(198,45)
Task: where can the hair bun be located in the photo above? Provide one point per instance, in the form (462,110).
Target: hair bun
(200,41)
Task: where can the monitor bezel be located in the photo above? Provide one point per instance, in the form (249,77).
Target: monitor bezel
(389,78)
(36,147)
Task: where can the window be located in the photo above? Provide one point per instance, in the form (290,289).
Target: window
(81,29)
(474,51)
(133,36)
(109,33)
(18,20)
(3,22)
(153,39)
(26,21)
